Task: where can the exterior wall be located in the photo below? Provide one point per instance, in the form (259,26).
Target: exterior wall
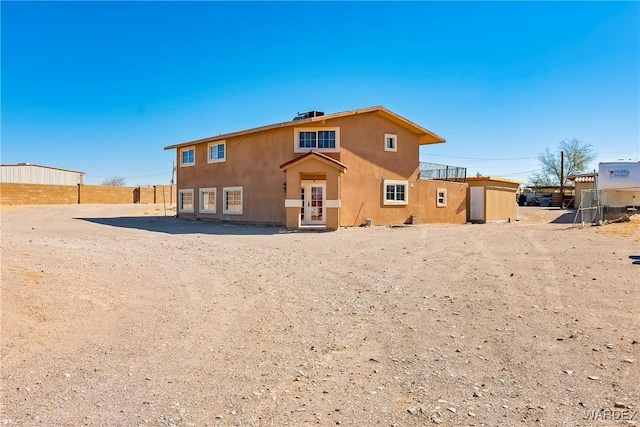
(162,194)
(619,176)
(499,198)
(579,186)
(332,177)
(40,194)
(37,194)
(620,198)
(253,160)
(34,174)
(368,165)
(106,194)
(455,212)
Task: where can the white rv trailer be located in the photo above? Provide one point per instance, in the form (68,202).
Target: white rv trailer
(619,183)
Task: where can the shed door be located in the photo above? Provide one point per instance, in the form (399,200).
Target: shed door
(477,204)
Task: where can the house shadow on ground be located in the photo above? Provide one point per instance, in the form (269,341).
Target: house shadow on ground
(173,225)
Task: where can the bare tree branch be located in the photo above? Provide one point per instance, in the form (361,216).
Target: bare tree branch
(114,181)
(577,156)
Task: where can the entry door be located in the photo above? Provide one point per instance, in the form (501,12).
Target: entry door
(477,204)
(313,197)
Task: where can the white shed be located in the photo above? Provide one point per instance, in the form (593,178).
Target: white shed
(27,173)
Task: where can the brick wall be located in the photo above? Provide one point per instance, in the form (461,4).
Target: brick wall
(37,194)
(106,194)
(40,194)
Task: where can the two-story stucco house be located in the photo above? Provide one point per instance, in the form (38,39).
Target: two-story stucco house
(317,170)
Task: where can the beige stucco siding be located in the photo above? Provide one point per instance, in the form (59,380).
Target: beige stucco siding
(455,211)
(369,165)
(252,162)
(308,170)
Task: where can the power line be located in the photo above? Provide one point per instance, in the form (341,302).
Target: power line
(482,158)
(129,177)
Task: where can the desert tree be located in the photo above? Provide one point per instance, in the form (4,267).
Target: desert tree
(577,156)
(114,181)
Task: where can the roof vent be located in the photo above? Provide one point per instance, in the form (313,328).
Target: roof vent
(308,114)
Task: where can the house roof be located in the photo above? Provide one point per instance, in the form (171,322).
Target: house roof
(425,136)
(493,179)
(319,156)
(584,177)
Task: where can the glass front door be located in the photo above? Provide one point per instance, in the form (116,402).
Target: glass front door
(313,197)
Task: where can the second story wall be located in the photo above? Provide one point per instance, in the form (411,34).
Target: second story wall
(251,162)
(374,162)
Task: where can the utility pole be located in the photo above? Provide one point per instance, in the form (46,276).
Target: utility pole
(561,179)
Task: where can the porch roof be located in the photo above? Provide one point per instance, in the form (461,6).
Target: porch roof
(318,156)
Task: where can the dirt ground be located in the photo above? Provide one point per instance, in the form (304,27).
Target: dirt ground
(119,316)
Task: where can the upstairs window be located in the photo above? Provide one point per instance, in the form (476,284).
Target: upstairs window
(188,156)
(317,139)
(395,192)
(390,142)
(217,152)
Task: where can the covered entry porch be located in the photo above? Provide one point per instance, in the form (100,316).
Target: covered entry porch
(312,191)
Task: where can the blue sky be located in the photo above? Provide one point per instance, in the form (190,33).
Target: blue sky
(103,87)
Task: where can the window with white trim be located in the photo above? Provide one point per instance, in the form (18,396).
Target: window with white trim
(208,200)
(232,200)
(318,139)
(217,152)
(395,192)
(390,142)
(188,156)
(441,198)
(185,200)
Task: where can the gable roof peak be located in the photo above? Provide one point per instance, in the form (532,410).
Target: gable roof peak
(424,136)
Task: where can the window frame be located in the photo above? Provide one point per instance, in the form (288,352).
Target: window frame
(226,190)
(394,137)
(296,140)
(217,143)
(443,203)
(201,205)
(180,204)
(182,150)
(396,183)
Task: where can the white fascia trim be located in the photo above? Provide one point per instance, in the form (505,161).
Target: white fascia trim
(333,204)
(292,203)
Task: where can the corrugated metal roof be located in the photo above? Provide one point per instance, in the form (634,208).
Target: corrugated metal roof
(37,174)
